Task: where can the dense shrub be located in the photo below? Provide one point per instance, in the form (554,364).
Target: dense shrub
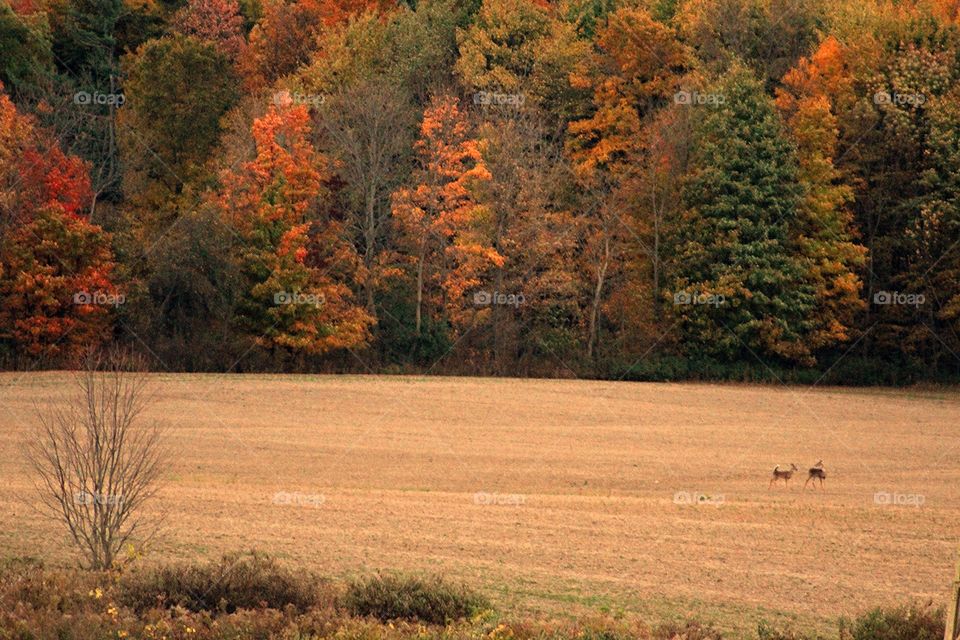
(26,581)
(393,597)
(842,371)
(911,622)
(237,581)
(676,368)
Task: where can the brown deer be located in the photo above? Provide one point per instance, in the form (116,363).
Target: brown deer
(783,474)
(815,473)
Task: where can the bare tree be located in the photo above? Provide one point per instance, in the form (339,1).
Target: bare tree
(370,128)
(97,462)
(532,227)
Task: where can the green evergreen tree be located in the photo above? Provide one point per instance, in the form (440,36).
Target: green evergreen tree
(25,54)
(739,290)
(934,270)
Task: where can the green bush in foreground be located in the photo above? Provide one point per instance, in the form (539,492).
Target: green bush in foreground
(767,632)
(397,597)
(911,622)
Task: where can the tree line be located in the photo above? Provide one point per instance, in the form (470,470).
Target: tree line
(640,189)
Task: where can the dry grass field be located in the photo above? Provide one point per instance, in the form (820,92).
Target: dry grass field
(554,497)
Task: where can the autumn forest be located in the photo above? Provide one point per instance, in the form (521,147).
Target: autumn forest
(624,189)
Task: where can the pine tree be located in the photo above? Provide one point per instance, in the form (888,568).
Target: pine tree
(934,237)
(739,286)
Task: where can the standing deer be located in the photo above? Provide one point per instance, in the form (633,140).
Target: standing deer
(815,473)
(783,474)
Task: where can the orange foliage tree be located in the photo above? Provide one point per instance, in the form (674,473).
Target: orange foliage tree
(295,262)
(824,232)
(282,40)
(438,217)
(636,69)
(287,34)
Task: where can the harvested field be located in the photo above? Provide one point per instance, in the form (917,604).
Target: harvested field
(554,497)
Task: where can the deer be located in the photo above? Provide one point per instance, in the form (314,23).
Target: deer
(783,474)
(815,473)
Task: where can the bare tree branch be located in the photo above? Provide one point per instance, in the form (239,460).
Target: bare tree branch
(97,462)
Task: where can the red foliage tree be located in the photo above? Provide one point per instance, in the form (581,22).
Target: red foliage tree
(215,21)
(56,268)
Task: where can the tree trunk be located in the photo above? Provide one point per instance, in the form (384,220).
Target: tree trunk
(419,312)
(496,312)
(597,296)
(655,259)
(370,239)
